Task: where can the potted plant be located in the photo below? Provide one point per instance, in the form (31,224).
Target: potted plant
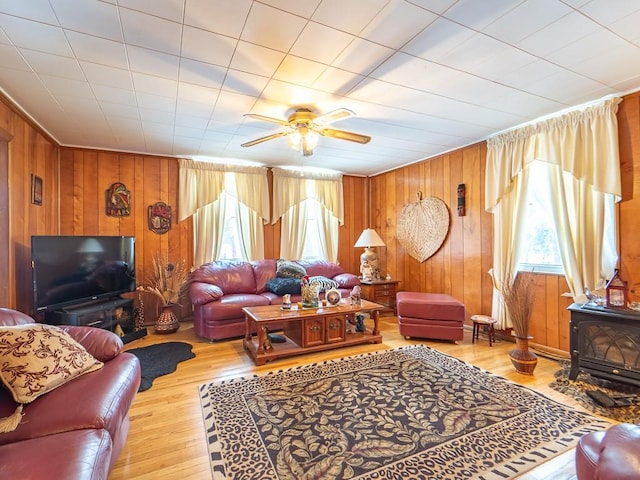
(167,282)
(517,296)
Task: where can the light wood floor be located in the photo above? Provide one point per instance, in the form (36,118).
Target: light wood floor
(167,439)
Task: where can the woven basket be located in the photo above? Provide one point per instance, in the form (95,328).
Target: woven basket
(423,226)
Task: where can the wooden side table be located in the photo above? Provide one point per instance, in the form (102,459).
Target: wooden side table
(382,292)
(486,320)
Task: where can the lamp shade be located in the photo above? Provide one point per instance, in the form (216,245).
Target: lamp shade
(369,238)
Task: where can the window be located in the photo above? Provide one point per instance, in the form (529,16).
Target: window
(312,249)
(539,250)
(231,245)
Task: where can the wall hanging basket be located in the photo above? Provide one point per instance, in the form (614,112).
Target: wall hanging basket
(423,226)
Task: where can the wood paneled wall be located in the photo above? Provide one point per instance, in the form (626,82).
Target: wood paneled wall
(73,203)
(29,152)
(629,207)
(87,176)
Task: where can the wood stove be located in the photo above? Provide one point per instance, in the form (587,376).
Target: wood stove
(605,342)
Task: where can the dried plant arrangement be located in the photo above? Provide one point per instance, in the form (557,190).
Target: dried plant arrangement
(167,280)
(517,296)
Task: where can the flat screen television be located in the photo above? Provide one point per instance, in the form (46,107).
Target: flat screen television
(69,270)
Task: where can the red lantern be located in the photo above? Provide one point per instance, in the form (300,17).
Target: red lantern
(616,291)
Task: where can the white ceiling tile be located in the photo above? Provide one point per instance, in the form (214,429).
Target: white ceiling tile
(473,51)
(200,73)
(155,85)
(207,46)
(152,101)
(118,96)
(438,39)
(436,6)
(48,64)
(477,15)
(527,18)
(89,16)
(304,9)
(157,116)
(35,35)
(13,58)
(501,64)
(272,28)
(353,17)
(151,32)
(37,10)
(298,71)
(610,11)
(340,82)
(98,50)
(153,62)
(256,59)
(397,23)
(198,93)
(227,18)
(169,9)
(308,45)
(362,56)
(197,113)
(244,83)
(119,110)
(568,29)
(64,88)
(621,64)
(627,27)
(105,75)
(598,43)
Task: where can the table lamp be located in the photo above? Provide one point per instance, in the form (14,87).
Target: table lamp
(369,267)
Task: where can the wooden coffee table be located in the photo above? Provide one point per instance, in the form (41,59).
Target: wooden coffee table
(307,330)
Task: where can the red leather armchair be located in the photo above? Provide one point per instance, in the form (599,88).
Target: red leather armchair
(613,454)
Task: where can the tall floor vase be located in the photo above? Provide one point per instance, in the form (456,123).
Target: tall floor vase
(167,321)
(522,358)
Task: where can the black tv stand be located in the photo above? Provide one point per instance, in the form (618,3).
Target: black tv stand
(105,313)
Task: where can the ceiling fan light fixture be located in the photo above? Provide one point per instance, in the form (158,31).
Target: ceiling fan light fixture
(303,139)
(295,139)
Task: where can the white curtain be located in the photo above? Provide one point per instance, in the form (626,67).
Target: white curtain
(580,150)
(201,187)
(290,190)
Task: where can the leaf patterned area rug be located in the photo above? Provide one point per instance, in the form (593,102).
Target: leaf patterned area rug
(410,412)
(584,382)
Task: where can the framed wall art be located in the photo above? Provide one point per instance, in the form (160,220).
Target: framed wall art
(159,218)
(36,190)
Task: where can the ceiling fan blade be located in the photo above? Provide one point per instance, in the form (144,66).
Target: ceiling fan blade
(264,139)
(344,135)
(334,116)
(267,119)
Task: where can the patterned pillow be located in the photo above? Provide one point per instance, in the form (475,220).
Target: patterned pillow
(324,283)
(37,358)
(282,285)
(289,269)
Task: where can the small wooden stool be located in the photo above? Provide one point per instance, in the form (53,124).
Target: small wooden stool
(479,320)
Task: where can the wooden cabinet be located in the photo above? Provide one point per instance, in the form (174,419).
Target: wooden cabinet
(317,330)
(382,292)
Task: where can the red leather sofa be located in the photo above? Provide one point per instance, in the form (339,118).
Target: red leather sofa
(218,291)
(77,430)
(613,454)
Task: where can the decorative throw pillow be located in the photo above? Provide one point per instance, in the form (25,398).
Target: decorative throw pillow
(35,359)
(282,285)
(324,283)
(289,269)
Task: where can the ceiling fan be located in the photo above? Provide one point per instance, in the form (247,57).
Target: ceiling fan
(304,127)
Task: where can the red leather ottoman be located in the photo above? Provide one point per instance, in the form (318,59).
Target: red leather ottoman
(430,315)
